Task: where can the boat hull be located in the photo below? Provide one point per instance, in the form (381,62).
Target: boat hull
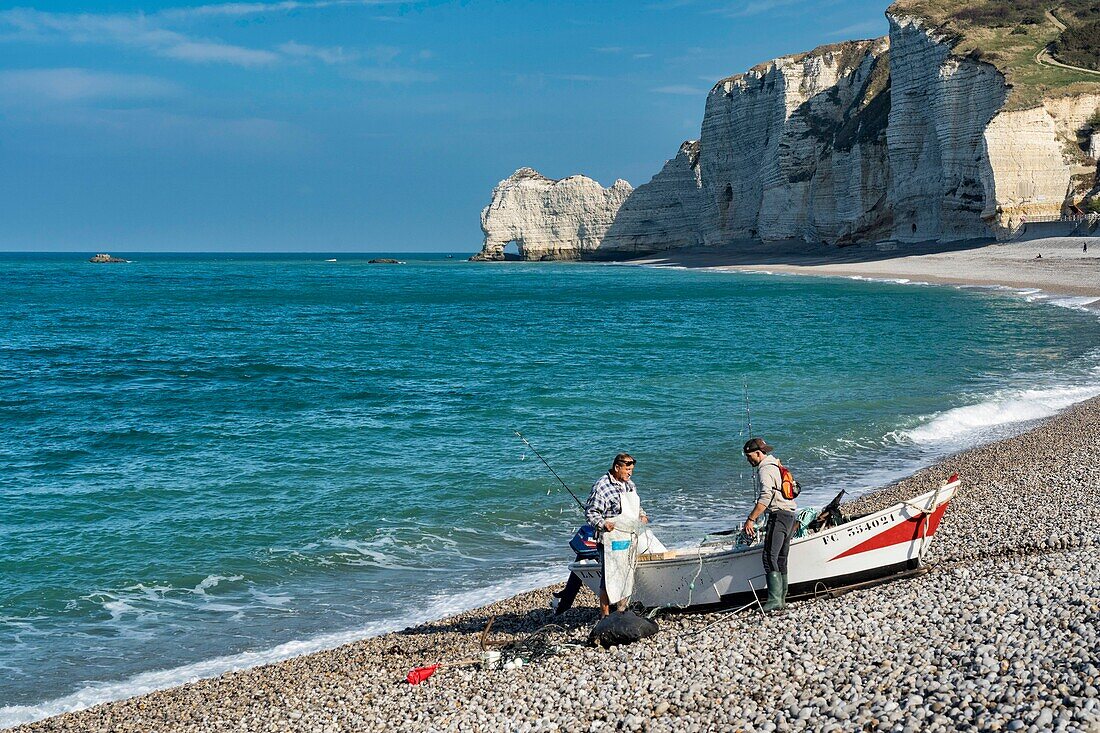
(872,547)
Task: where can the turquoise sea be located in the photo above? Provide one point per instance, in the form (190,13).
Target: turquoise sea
(212,461)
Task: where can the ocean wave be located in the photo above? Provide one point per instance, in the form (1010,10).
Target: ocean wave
(1085,303)
(411,547)
(212,581)
(135,611)
(1004,408)
(918,442)
(889,280)
(1075,302)
(428,609)
(365,553)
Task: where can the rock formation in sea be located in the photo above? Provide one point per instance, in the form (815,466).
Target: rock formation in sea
(901,138)
(551,220)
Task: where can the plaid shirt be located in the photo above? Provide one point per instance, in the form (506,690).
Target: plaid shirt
(603,503)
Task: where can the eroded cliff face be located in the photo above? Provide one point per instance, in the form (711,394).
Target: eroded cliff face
(888,139)
(935,145)
(794,148)
(1039,160)
(664,213)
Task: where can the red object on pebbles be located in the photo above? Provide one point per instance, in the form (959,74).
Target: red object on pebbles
(420,674)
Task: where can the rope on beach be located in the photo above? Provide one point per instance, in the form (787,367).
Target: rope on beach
(533,647)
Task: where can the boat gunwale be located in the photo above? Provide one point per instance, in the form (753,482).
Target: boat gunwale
(693,554)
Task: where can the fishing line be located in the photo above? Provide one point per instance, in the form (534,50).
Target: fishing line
(564,485)
(748,414)
(748,423)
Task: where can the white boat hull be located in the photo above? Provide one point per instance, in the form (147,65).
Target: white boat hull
(871,547)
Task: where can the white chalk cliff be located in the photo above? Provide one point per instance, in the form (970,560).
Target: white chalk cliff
(547,219)
(894,138)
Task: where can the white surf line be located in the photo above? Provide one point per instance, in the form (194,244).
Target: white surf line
(96,693)
(1005,407)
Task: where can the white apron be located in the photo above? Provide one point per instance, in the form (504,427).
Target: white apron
(620,548)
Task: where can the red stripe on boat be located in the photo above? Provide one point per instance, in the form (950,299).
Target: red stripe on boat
(906,531)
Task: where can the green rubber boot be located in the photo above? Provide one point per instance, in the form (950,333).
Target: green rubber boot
(775,592)
(783,597)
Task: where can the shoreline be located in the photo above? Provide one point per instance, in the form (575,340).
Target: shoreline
(1063,270)
(359,686)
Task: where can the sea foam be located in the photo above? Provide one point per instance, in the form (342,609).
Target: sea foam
(1002,409)
(434,608)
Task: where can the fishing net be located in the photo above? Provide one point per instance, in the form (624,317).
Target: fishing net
(805,519)
(533,647)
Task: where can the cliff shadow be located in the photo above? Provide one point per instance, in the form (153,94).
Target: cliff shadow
(689,203)
(752,252)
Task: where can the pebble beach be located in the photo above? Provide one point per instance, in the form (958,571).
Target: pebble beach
(1000,634)
(1056,265)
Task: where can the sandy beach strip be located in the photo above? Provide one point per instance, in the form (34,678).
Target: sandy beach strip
(1001,634)
(1064,268)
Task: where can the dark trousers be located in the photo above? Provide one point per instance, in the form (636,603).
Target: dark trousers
(569,593)
(777,543)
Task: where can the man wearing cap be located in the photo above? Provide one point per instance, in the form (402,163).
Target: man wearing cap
(613,493)
(781,519)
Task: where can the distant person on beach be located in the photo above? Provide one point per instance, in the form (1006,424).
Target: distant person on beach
(1084,246)
(614,494)
(781,519)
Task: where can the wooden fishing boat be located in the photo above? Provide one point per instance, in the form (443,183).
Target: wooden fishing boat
(864,549)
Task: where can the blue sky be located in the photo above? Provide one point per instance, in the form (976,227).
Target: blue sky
(351,125)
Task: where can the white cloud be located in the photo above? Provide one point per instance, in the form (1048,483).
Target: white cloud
(868,27)
(86,28)
(77,85)
(128,30)
(242,9)
(329,55)
(668,4)
(642,56)
(212,52)
(682,89)
(148,32)
(382,54)
(391,75)
(753,7)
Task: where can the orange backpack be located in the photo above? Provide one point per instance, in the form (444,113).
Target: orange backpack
(788,487)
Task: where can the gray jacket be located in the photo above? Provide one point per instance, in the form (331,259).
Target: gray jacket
(769,484)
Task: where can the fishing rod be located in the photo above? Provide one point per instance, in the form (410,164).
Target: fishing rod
(748,415)
(526,443)
(748,421)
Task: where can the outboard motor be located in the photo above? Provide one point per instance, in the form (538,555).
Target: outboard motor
(584,543)
(586,548)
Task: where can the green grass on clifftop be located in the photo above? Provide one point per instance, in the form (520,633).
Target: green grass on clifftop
(1013,36)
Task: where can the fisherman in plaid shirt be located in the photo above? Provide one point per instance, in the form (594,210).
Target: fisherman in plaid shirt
(604,503)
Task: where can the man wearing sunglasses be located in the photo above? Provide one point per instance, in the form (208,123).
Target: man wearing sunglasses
(614,494)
